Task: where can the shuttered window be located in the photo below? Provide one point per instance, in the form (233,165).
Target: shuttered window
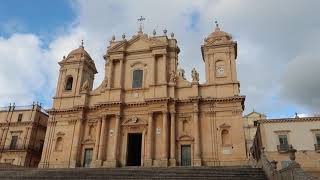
(137,79)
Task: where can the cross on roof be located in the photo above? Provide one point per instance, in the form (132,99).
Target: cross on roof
(140,20)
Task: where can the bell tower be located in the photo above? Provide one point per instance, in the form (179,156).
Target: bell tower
(219,52)
(76,78)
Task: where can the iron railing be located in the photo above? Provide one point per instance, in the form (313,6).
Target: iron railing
(317,147)
(20,147)
(283,148)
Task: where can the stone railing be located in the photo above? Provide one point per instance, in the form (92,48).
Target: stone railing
(292,172)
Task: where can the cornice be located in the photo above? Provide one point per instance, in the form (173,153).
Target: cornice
(74,109)
(291,120)
(150,101)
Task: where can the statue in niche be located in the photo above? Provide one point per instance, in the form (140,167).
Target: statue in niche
(173,77)
(85,86)
(195,76)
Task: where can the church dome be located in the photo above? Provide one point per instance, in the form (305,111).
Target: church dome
(79,53)
(218,36)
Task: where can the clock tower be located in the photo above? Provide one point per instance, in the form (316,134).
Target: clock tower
(219,52)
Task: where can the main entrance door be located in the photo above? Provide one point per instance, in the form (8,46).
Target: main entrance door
(87,157)
(134,149)
(185,155)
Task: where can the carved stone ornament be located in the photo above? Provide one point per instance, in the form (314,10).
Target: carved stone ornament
(173,77)
(60,134)
(85,86)
(134,121)
(224,126)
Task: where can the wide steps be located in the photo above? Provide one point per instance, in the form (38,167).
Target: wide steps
(135,173)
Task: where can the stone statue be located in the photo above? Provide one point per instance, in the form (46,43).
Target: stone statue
(173,77)
(85,86)
(195,76)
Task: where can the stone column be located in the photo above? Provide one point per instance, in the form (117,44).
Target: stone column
(110,73)
(173,139)
(96,145)
(148,161)
(102,140)
(197,145)
(75,145)
(164,156)
(114,160)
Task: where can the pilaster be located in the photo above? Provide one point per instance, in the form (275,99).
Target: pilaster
(164,155)
(75,145)
(172,160)
(148,161)
(96,145)
(197,145)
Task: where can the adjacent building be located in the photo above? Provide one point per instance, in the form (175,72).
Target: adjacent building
(145,112)
(303,134)
(22,133)
(250,124)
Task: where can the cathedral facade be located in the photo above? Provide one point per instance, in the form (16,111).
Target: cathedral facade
(145,112)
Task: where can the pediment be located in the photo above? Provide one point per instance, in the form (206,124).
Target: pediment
(88,141)
(137,43)
(224,126)
(60,134)
(185,137)
(133,121)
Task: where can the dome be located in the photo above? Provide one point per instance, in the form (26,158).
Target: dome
(218,36)
(78,53)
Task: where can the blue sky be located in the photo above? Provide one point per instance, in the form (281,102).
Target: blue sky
(44,18)
(273,44)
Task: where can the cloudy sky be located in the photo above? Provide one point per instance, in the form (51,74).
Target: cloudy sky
(278,44)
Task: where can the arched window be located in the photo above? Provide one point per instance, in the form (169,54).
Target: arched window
(59,142)
(69,83)
(137,78)
(225,137)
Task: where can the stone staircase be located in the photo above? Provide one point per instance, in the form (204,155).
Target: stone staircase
(185,173)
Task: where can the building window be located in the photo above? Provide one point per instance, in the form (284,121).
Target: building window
(137,78)
(69,83)
(255,123)
(20,117)
(318,139)
(283,140)
(225,137)
(13,144)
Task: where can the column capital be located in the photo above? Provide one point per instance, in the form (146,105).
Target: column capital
(102,116)
(173,112)
(117,115)
(165,112)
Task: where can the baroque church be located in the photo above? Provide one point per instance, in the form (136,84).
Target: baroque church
(145,112)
